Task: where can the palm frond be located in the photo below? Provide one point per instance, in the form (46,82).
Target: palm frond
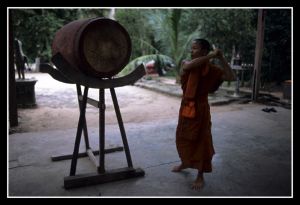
(144,59)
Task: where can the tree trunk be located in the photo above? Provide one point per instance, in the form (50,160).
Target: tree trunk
(258,54)
(13,111)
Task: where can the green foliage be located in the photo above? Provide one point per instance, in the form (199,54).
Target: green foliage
(136,24)
(166,25)
(36,27)
(143,60)
(167,33)
(226,28)
(276,65)
(154,31)
(174,29)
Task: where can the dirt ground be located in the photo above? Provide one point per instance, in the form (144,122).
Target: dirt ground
(57,106)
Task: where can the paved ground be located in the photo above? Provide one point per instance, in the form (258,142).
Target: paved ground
(253,156)
(57,106)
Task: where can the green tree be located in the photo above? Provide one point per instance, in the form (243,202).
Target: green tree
(173,30)
(226,28)
(136,24)
(161,35)
(36,27)
(167,26)
(276,63)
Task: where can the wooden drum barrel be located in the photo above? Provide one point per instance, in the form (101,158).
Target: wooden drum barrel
(98,47)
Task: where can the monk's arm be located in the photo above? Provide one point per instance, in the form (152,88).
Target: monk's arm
(197,62)
(228,72)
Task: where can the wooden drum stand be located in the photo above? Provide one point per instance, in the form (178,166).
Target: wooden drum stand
(67,74)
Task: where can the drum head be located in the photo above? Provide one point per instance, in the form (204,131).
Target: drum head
(106,47)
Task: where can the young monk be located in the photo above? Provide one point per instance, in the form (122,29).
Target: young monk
(193,135)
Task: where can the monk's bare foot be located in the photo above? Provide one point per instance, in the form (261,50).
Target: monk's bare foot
(178,168)
(198,183)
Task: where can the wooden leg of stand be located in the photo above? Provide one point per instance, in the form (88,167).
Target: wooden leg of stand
(122,129)
(101,129)
(85,132)
(79,132)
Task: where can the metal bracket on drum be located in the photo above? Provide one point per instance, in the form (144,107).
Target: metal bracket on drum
(65,73)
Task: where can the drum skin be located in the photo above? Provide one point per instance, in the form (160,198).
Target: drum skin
(98,47)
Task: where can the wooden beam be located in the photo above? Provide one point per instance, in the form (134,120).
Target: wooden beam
(96,178)
(56,74)
(84,154)
(92,82)
(90,101)
(92,157)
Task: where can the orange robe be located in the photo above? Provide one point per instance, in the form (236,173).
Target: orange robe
(193,135)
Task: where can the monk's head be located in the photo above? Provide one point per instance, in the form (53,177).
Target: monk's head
(200,47)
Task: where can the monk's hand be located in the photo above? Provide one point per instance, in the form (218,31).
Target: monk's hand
(219,54)
(216,53)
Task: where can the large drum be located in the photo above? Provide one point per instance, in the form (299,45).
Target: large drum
(98,47)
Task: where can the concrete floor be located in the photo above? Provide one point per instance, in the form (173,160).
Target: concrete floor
(253,158)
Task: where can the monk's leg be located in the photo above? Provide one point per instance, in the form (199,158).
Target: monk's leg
(178,168)
(198,183)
